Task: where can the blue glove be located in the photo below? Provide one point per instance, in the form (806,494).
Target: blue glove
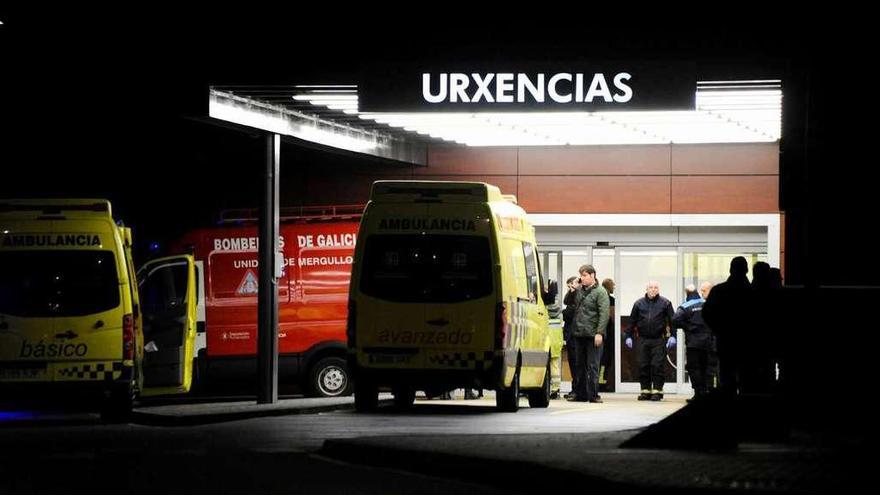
(629,342)
(670,343)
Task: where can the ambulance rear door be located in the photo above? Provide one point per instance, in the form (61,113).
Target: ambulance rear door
(167,291)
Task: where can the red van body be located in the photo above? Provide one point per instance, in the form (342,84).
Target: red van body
(318,246)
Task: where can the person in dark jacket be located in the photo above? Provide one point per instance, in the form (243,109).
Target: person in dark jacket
(759,367)
(573,283)
(727,311)
(698,338)
(592,308)
(651,317)
(606,373)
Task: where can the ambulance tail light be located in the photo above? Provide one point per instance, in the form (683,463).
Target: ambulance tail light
(128,337)
(502,327)
(351,324)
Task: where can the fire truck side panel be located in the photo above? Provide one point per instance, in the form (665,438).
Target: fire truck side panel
(313,293)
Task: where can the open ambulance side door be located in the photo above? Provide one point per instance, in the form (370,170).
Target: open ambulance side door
(167,292)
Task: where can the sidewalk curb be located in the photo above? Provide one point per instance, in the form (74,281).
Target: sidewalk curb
(142,417)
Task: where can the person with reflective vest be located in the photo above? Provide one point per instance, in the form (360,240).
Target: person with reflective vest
(698,339)
(651,319)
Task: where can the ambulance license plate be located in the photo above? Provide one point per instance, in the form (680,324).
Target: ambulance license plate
(389,358)
(33,372)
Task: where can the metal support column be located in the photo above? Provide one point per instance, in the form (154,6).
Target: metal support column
(267,304)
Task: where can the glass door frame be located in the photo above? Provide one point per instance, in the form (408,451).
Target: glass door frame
(634,387)
(685,387)
(680,386)
(545,251)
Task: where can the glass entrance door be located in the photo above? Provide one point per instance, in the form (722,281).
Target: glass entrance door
(636,267)
(603,262)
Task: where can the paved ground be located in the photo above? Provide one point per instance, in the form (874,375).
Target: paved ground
(468,442)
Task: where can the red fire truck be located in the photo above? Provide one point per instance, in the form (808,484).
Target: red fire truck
(318,245)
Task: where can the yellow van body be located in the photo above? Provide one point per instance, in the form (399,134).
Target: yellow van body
(71,318)
(446,293)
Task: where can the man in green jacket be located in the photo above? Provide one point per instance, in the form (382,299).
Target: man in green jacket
(591,318)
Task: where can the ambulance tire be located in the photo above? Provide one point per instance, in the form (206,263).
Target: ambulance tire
(329,377)
(117,406)
(541,398)
(404,397)
(366,397)
(507,399)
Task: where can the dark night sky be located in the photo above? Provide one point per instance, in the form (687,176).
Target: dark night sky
(96,105)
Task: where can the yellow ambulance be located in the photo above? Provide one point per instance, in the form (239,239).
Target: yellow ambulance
(446,293)
(77,324)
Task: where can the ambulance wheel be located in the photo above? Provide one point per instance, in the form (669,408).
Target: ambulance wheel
(329,377)
(117,405)
(404,397)
(541,398)
(366,397)
(507,399)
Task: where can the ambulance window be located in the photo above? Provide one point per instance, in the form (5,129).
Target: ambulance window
(164,289)
(58,283)
(132,281)
(424,268)
(517,261)
(531,270)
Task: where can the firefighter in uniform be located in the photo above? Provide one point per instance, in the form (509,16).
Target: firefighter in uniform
(698,339)
(651,317)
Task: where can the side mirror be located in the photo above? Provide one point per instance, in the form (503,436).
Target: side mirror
(549,296)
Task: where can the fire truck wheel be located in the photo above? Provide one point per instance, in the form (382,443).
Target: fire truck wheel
(329,377)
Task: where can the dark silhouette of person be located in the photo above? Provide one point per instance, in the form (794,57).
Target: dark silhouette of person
(777,338)
(727,312)
(759,369)
(605,372)
(573,283)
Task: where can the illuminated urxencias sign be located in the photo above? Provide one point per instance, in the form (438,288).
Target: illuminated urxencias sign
(492,88)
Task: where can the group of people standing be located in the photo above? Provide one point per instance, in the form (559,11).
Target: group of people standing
(744,318)
(586,317)
(716,322)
